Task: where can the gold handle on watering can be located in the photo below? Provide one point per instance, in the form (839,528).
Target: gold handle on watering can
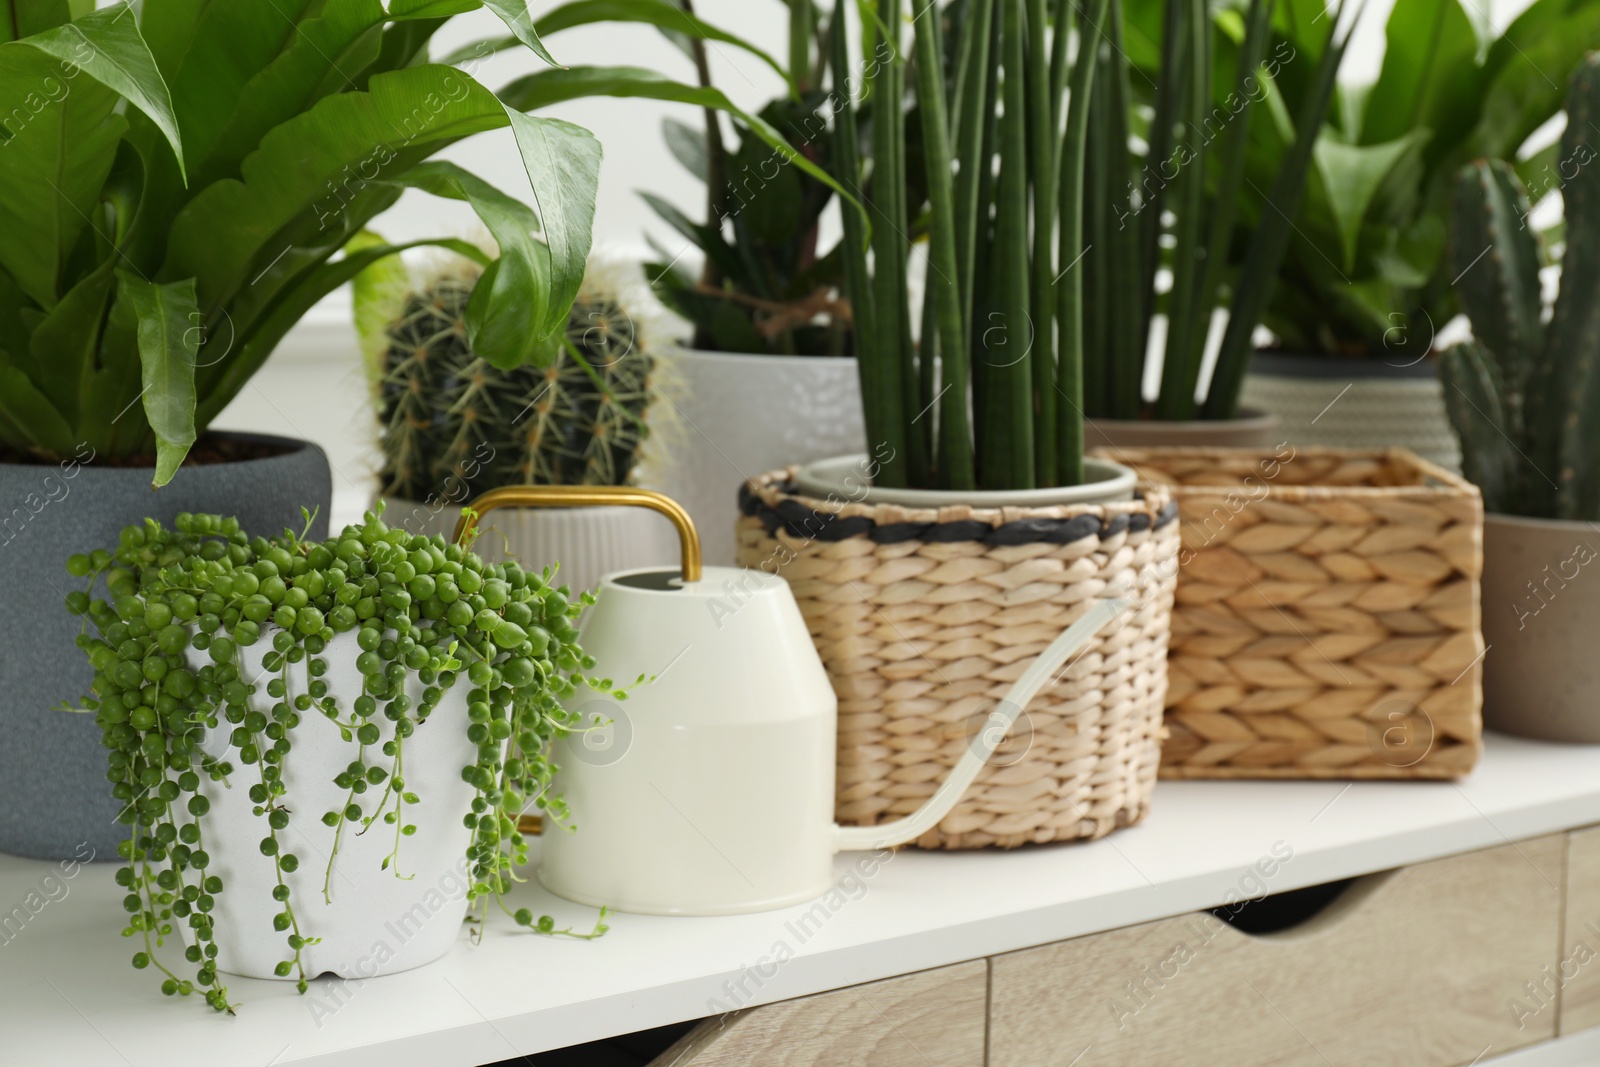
(582,496)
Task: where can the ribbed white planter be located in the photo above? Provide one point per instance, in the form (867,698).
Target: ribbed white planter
(371,921)
(1350,403)
(743,415)
(588,542)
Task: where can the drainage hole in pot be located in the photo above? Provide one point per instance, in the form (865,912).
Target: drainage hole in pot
(1281,911)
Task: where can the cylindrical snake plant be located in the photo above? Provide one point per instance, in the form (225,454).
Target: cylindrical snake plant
(991,398)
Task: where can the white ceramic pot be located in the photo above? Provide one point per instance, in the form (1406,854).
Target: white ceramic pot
(1354,403)
(743,415)
(849,478)
(1541,609)
(371,921)
(587,542)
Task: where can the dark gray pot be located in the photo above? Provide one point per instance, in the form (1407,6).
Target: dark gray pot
(53,793)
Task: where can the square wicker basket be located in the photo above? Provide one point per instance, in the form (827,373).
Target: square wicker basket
(1327,617)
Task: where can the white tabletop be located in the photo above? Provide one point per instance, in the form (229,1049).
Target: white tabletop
(68,996)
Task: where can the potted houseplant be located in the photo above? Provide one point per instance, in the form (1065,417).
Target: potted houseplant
(1366,285)
(975,531)
(221,162)
(266,703)
(208,171)
(1184,191)
(1522,395)
(454,426)
(767,372)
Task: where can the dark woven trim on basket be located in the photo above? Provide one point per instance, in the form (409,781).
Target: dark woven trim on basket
(802,522)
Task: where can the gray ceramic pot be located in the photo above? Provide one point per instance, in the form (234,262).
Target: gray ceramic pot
(53,793)
(1541,610)
(1380,402)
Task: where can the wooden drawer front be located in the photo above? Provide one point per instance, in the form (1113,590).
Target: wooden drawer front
(1577,974)
(929,1019)
(1415,968)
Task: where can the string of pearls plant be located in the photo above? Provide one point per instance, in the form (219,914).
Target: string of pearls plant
(182,605)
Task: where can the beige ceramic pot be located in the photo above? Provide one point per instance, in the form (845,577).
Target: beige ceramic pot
(1541,610)
(1252,429)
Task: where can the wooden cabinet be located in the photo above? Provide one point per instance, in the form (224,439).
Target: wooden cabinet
(930,1019)
(1415,968)
(1440,964)
(1575,976)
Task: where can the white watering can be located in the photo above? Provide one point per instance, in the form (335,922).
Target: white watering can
(710,790)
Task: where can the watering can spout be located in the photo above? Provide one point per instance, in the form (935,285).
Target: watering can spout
(1039,672)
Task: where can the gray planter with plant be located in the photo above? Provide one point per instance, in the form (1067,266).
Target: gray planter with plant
(1523,395)
(1196,189)
(1366,286)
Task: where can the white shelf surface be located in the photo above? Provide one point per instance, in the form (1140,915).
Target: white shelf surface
(1575,1050)
(68,996)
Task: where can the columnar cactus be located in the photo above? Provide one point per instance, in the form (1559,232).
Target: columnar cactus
(455,426)
(1525,395)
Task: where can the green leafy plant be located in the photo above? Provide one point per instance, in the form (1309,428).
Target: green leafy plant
(167,653)
(764,286)
(207,165)
(179,184)
(1523,393)
(455,426)
(1184,197)
(1003,189)
(1367,273)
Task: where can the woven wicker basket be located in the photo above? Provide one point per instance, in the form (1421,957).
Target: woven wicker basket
(1327,615)
(924,617)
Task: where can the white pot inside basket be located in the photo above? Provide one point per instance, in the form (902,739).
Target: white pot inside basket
(372,921)
(849,479)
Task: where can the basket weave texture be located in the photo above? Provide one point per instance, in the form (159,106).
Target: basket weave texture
(924,618)
(1327,619)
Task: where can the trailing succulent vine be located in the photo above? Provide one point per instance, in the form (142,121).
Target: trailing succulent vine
(447,413)
(185,603)
(1521,391)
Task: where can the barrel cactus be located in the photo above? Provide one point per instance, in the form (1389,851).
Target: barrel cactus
(1524,394)
(455,426)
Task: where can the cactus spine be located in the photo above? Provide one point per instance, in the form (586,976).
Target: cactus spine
(455,426)
(1525,396)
